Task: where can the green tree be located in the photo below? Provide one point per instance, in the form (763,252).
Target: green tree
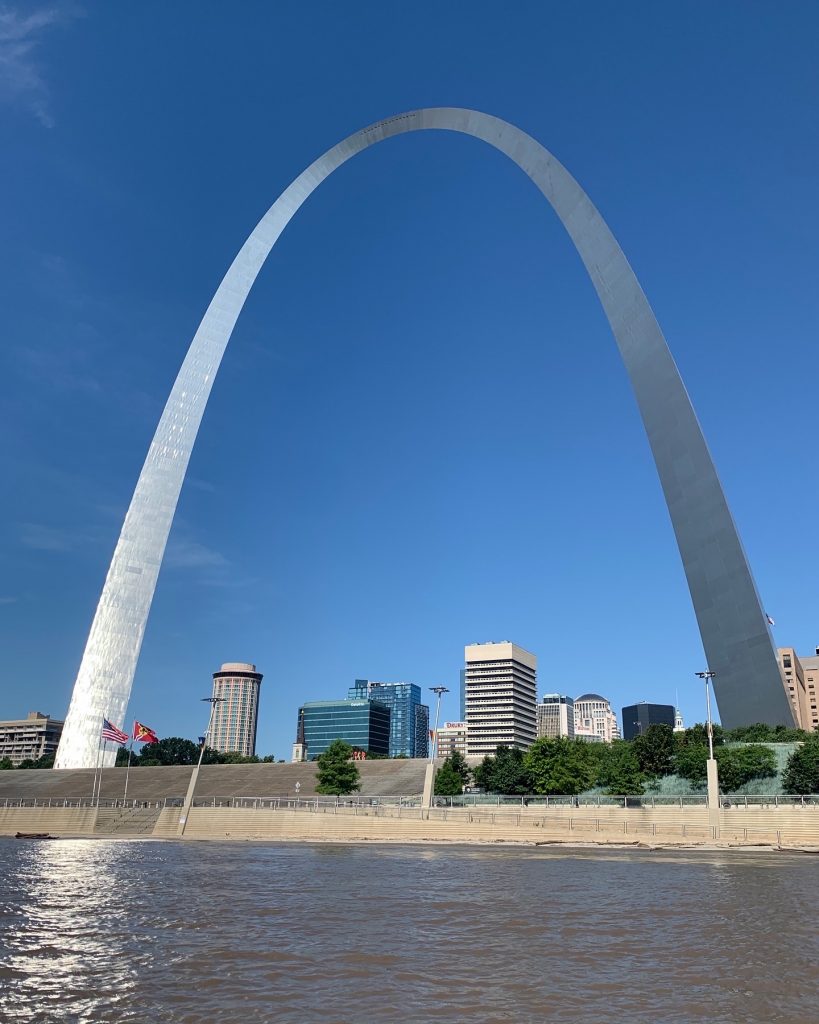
(697,736)
(763,733)
(690,762)
(738,765)
(172,750)
(234,757)
(5,763)
(801,773)
(337,772)
(561,766)
(449,778)
(122,758)
(26,763)
(269,759)
(654,751)
(505,772)
(619,769)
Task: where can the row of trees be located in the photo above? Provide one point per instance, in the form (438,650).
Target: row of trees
(170,750)
(569,767)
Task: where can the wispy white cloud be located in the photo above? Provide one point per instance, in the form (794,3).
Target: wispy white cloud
(183,553)
(46,538)
(8,600)
(22,79)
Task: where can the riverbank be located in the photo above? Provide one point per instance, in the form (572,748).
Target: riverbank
(794,828)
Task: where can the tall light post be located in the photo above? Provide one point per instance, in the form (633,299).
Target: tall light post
(186,807)
(429,775)
(711,767)
(437,690)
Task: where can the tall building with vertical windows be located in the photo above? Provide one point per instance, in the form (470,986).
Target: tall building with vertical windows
(409,718)
(801,679)
(500,697)
(594,719)
(555,716)
(233,728)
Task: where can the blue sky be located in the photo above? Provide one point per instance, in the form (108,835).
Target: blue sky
(421,435)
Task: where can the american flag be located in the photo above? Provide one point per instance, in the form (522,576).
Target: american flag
(112,733)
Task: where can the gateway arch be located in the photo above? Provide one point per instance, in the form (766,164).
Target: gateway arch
(734,629)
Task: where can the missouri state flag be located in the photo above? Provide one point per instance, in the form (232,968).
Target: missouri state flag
(142,734)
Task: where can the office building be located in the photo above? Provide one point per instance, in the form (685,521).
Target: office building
(801,679)
(452,736)
(638,718)
(233,728)
(555,716)
(593,717)
(29,738)
(500,697)
(364,724)
(409,718)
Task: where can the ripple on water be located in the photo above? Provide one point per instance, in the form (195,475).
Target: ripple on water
(187,933)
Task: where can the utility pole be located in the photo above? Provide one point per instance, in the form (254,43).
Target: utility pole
(711,767)
(429,777)
(186,807)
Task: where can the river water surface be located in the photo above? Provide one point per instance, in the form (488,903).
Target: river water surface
(145,931)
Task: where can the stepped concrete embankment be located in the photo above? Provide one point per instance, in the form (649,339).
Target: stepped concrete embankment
(783,827)
(396,777)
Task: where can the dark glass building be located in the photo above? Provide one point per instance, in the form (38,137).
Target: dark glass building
(638,717)
(409,718)
(361,723)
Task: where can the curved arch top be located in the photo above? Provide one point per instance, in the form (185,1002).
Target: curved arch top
(734,629)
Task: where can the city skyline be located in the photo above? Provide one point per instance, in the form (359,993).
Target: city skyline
(56,550)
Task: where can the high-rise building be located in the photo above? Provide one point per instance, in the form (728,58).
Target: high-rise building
(801,679)
(452,737)
(364,724)
(555,716)
(593,717)
(409,718)
(638,718)
(501,697)
(233,728)
(29,738)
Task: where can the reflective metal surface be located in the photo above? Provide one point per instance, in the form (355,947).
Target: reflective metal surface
(734,630)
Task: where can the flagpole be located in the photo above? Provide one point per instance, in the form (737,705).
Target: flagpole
(102,765)
(96,768)
(128,769)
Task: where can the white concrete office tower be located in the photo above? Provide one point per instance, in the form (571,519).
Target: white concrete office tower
(555,717)
(234,717)
(594,719)
(735,632)
(501,697)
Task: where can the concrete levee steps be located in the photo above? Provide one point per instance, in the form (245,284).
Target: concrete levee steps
(378,778)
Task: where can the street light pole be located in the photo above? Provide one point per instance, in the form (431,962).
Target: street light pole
(429,775)
(711,767)
(437,690)
(186,807)
(708,676)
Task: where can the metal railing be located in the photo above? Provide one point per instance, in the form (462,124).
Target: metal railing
(467,801)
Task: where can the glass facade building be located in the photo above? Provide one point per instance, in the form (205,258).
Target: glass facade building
(409,718)
(361,723)
(637,718)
